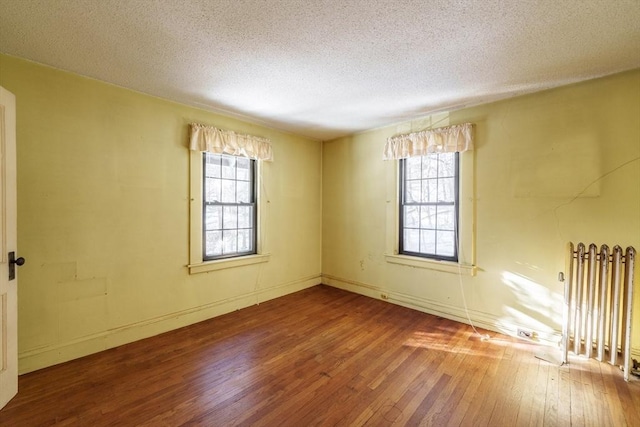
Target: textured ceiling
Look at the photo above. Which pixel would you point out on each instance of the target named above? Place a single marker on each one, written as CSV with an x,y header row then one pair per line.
x,y
327,68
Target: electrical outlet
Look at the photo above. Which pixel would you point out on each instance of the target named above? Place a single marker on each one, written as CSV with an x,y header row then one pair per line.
x,y
523,333
384,296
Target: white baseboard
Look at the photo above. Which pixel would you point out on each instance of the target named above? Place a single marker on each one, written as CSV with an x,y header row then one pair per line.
x,y
479,319
45,356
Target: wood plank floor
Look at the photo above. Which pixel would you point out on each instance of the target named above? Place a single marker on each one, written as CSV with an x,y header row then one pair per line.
x,y
324,357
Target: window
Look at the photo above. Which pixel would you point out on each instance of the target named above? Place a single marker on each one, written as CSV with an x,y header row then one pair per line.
x,y
429,206
229,219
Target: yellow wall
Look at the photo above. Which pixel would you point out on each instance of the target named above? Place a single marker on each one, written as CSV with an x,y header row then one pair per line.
x,y
103,189
103,212
557,166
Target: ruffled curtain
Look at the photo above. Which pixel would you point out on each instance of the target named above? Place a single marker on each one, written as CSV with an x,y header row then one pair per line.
x,y
214,140
441,140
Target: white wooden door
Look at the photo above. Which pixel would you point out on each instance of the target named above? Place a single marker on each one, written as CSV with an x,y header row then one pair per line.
x,y
8,288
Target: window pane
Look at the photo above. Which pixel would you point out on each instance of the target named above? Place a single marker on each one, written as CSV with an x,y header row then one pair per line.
x,y
213,218
446,190
229,167
243,192
245,216
446,243
228,191
412,216
216,169
430,165
447,165
428,241
413,165
243,164
213,243
213,190
413,192
245,242
230,241
429,191
411,240
428,217
446,218
229,217
212,165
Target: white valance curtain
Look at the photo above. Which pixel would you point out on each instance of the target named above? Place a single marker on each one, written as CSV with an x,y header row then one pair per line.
x,y
214,140
441,140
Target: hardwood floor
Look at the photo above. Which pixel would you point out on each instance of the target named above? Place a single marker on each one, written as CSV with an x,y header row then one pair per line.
x,y
324,357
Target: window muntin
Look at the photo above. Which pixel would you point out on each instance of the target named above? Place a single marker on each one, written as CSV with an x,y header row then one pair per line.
x,y
429,206
229,214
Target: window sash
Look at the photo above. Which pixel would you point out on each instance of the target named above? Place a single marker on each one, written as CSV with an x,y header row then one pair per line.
x,y
252,204
433,206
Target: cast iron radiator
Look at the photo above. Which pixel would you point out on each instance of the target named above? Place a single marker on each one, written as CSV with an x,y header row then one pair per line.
x,y
598,298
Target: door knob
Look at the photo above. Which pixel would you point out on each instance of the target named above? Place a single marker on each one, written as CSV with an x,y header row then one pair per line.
x,y
13,261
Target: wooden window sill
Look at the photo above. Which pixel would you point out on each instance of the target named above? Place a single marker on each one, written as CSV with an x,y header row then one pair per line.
x,y
221,264
432,264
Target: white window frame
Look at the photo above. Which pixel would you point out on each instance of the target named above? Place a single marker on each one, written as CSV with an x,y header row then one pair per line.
x,y
196,263
466,263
